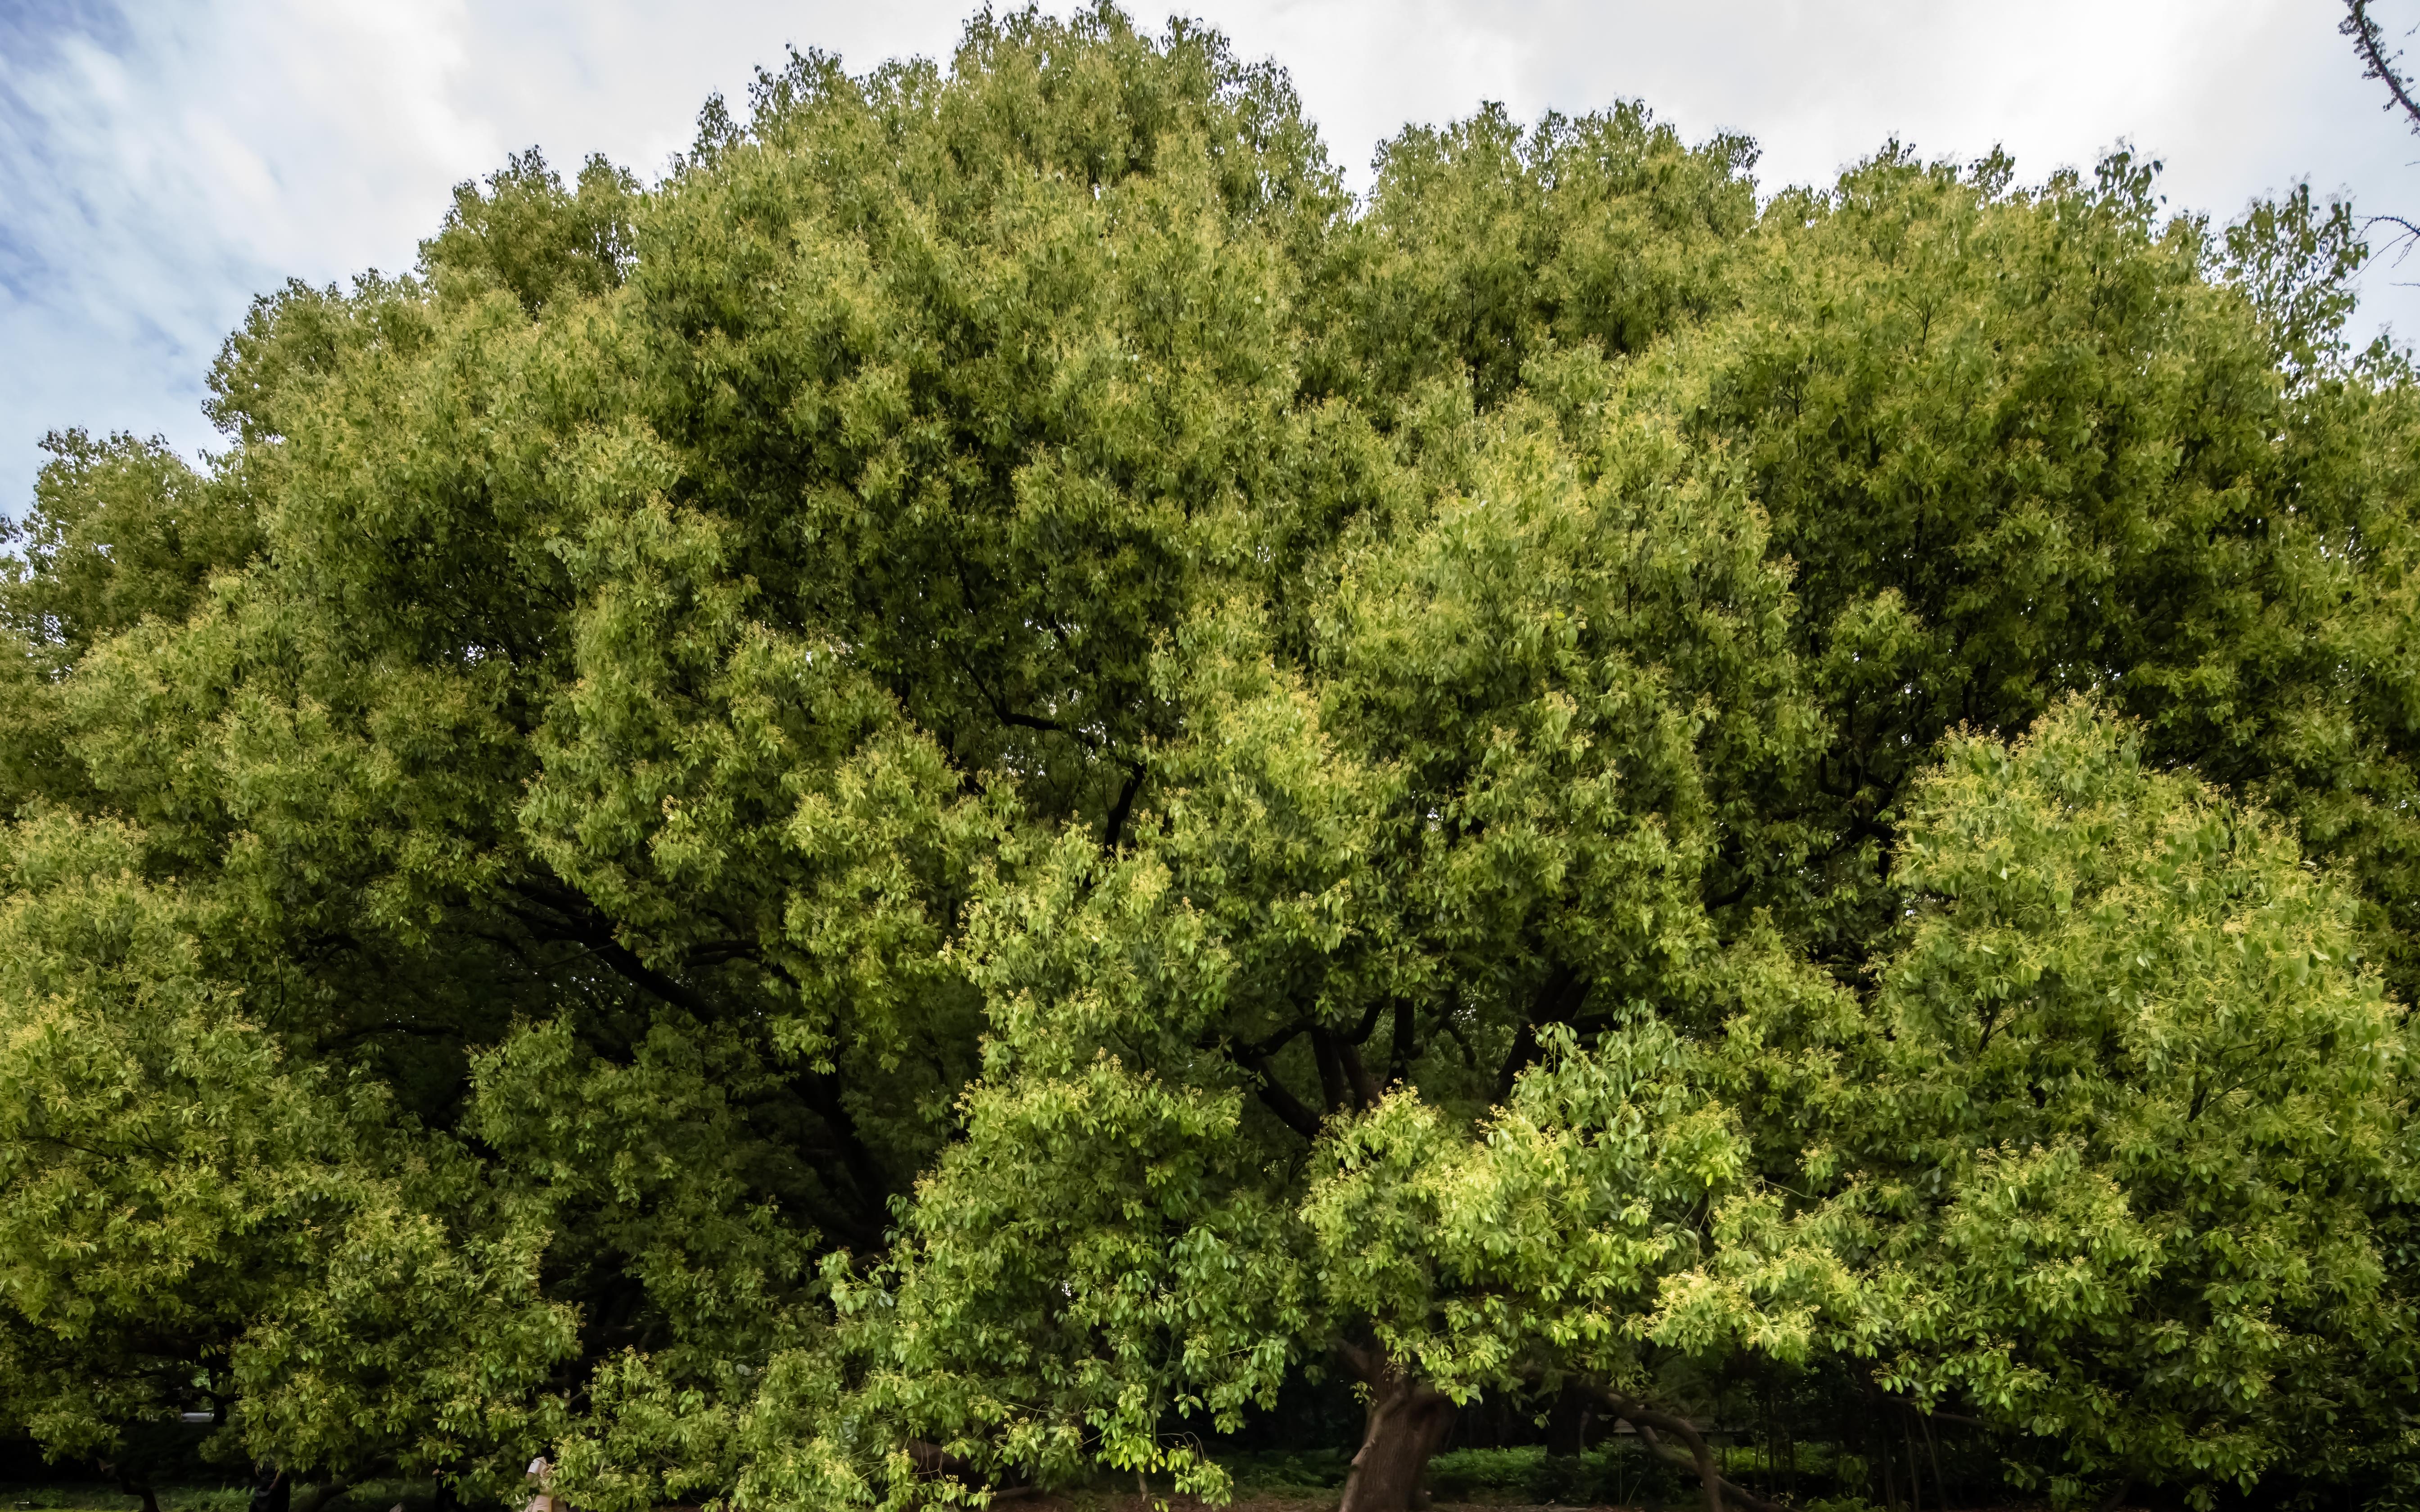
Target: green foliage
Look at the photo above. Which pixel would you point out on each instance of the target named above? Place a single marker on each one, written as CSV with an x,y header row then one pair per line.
x,y
189,1221
918,811
120,531
1615,1475
2118,1122
1486,247
1546,1235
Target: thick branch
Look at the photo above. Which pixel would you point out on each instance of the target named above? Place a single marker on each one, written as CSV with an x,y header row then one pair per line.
x,y
577,920
1366,1363
1461,1041
1006,716
1561,996
1516,1060
1398,1064
1736,892
1368,1024
1277,1096
1731,1490
1254,1056
821,1093
1125,805
1701,1456
1357,1076
627,965
1333,1088
419,1031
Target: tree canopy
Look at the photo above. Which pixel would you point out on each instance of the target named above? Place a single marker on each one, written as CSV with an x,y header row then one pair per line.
x,y
929,805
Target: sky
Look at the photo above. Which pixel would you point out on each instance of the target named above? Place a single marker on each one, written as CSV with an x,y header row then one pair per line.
x,y
162,161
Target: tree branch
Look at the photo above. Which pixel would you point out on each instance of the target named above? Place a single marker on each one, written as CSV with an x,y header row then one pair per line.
x,y
1001,712
821,1093
1277,1096
1365,1364
1523,1050
1125,803
1333,1088
1700,1457
1369,1024
576,919
2375,64
1356,1075
1564,993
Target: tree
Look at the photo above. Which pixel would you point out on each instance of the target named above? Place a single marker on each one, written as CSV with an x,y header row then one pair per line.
x,y
2114,1133
921,808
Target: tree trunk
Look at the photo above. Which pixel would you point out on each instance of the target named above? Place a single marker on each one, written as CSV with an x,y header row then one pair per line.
x,y
1567,1422
131,1485
1406,1424
1710,1480
1914,1471
271,1491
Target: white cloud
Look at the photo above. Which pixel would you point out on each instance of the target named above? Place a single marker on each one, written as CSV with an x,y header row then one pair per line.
x,y
162,163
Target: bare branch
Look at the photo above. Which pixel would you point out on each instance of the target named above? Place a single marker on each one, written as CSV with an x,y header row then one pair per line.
x,y
2397,246
2377,63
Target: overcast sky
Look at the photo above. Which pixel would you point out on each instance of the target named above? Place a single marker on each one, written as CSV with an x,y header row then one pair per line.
x,y
162,162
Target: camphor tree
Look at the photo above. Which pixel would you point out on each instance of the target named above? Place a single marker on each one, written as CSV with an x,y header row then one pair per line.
x,y
914,812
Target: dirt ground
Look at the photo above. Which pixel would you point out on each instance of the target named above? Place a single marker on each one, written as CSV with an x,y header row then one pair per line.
x,y
1095,1501
1304,1501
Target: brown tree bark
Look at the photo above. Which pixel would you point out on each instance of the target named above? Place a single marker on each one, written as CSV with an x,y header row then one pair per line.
x,y
1404,1426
